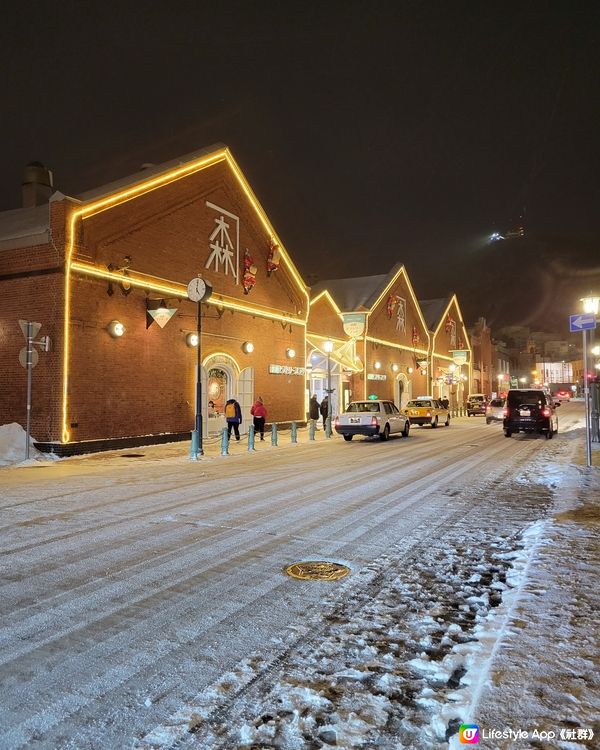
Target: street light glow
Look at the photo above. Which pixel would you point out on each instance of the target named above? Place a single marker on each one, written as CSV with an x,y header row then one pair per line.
x,y
590,304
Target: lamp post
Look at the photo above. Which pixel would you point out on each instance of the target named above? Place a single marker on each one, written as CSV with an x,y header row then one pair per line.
x,y
328,346
199,290
591,304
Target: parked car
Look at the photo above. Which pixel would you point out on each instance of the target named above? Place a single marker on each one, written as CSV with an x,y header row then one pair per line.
x,y
530,410
494,411
377,417
427,410
563,395
476,403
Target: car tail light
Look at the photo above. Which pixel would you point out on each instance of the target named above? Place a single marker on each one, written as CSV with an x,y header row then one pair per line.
x,y
505,411
488,408
546,411
373,421
428,414
337,421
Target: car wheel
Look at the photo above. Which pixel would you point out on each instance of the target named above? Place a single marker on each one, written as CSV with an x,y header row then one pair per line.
x,y
468,414
447,422
434,424
386,433
549,434
348,437
406,429
507,433
488,421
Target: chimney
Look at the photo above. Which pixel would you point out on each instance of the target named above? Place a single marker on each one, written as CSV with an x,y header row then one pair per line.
x,y
37,185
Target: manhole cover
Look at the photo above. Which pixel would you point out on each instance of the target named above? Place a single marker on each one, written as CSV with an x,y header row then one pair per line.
x,y
317,570
132,455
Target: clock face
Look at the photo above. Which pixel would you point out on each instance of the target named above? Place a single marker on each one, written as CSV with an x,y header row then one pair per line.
x,y
196,289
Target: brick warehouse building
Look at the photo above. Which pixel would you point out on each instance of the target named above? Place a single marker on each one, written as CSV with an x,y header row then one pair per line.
x,y
118,260
381,340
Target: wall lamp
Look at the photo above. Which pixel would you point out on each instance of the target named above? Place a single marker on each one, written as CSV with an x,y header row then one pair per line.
x,y
377,365
247,347
290,353
191,339
116,329
394,367
409,370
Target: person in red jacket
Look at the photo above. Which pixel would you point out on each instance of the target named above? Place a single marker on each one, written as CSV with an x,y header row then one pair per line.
x,y
259,413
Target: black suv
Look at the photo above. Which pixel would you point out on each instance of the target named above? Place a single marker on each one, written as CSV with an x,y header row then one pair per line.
x,y
528,410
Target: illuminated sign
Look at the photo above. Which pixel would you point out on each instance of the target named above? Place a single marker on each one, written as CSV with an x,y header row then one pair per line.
x,y
376,376
286,370
459,357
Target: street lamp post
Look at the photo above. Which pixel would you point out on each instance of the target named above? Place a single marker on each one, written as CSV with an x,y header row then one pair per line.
x,y
328,346
591,305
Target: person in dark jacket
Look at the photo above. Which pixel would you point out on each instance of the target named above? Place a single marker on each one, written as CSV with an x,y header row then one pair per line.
x,y
313,407
259,412
325,409
233,417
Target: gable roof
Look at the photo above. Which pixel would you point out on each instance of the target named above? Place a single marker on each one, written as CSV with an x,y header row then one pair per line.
x,y
433,309
357,293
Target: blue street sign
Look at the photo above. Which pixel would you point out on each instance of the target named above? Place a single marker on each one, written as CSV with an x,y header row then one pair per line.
x,y
582,322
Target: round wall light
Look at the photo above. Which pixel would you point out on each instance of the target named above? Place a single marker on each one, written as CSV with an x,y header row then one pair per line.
x,y
247,347
290,353
191,339
394,367
377,365
115,328
409,370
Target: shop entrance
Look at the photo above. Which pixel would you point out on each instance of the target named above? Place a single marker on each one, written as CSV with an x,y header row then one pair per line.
x,y
222,379
403,391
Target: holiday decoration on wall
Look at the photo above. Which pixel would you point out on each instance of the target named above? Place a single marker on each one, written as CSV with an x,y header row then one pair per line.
x,y
401,315
392,303
416,339
274,257
451,329
461,343
249,278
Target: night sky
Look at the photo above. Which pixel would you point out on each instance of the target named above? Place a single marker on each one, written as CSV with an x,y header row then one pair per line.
x,y
372,132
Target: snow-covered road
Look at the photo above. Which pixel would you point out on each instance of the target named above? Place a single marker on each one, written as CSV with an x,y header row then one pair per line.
x,y
142,597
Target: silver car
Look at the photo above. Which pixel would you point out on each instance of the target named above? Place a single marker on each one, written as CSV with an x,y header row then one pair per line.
x,y
494,411
377,417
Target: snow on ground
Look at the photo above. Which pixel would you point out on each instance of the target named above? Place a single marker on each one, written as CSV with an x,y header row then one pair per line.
x,y
13,444
496,626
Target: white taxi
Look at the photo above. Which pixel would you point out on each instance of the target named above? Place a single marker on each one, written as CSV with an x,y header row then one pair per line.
x,y
376,417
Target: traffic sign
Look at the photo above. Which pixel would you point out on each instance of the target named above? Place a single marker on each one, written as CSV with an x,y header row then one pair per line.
x,y
34,326
582,322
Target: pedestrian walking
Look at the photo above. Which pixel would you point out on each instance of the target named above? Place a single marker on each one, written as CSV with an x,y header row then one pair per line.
x,y
259,413
233,416
324,409
313,407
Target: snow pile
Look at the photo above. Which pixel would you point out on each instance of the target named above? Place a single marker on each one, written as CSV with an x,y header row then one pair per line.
x,y
12,445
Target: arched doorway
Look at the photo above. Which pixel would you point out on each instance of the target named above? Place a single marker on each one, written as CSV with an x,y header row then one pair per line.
x,y
222,379
403,392
318,378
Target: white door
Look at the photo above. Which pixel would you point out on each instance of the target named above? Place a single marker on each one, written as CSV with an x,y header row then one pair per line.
x,y
246,396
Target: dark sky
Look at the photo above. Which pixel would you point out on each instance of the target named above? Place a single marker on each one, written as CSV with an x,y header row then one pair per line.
x,y
372,132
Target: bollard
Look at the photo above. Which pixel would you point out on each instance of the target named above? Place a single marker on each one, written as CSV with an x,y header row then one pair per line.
x,y
294,433
328,427
274,434
194,446
224,442
311,429
250,438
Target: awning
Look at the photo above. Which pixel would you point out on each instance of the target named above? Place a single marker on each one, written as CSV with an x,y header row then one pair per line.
x,y
343,352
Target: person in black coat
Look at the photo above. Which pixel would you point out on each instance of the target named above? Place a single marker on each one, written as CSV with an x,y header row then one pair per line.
x,y
233,417
325,409
313,408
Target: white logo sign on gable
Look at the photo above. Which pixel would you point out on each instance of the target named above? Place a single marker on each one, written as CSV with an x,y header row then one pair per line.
x,y
224,242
